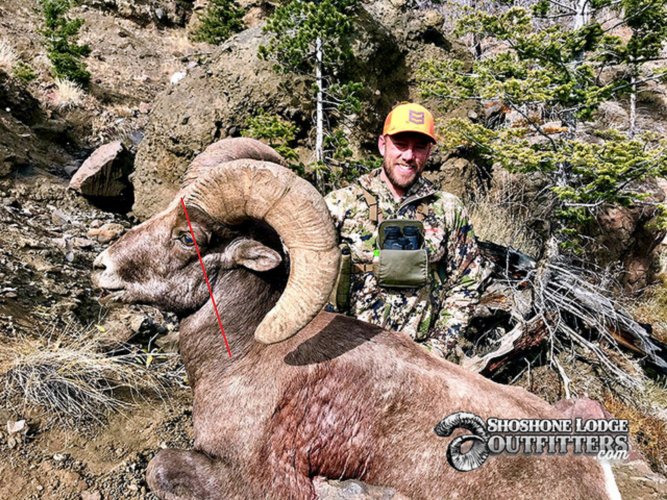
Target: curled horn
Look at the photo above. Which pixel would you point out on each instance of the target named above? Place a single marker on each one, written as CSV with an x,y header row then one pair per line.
x,y
237,190
479,451
236,148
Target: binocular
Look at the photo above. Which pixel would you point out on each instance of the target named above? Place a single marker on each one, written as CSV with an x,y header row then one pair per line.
x,y
407,239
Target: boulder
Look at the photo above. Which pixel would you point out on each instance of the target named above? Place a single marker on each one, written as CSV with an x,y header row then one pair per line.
x,y
611,114
456,175
105,173
629,236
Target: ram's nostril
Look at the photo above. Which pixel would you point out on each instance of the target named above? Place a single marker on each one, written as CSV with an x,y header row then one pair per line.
x,y
99,264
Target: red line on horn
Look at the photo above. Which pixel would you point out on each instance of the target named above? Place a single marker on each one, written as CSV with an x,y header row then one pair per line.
x,y
208,283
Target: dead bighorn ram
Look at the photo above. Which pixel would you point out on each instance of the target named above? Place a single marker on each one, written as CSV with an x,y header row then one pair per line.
x,y
306,393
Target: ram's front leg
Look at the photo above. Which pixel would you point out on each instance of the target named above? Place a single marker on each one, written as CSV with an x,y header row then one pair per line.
x,y
181,475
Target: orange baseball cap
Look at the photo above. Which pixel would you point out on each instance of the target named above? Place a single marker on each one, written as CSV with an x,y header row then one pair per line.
x,y
410,117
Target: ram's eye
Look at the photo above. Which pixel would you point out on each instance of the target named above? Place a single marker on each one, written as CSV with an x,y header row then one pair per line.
x,y
186,239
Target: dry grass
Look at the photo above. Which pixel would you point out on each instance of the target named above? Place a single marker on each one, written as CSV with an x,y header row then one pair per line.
x,y
67,95
8,57
71,378
500,217
649,431
652,308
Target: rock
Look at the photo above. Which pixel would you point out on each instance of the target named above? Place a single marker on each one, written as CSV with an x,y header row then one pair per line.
x,y
17,431
612,115
144,107
628,235
177,77
107,232
91,495
60,218
104,173
168,343
25,139
329,489
136,321
83,243
59,457
18,426
144,12
457,176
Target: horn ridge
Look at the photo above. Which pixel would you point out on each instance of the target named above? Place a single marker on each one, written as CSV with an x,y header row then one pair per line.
x,y
239,189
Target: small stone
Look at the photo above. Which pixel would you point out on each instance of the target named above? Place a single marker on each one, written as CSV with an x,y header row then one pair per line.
x,y
83,243
59,457
91,495
59,218
107,232
177,77
133,487
96,223
144,108
40,487
136,322
16,427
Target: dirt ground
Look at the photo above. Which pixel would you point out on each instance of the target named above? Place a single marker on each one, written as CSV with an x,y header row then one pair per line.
x,y
46,290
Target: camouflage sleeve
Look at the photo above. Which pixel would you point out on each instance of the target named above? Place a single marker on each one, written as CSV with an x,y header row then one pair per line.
x,y
461,274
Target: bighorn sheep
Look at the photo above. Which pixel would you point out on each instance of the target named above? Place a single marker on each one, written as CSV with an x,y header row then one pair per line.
x,y
306,393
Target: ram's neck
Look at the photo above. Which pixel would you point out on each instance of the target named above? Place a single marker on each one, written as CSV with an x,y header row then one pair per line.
x,y
243,299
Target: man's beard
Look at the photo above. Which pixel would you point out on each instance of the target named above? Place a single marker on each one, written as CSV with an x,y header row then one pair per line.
x,y
396,182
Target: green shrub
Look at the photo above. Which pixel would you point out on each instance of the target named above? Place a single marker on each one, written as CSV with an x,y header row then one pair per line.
x,y
24,72
279,133
62,45
221,20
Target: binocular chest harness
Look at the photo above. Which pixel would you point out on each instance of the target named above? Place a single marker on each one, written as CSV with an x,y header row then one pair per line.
x,y
400,259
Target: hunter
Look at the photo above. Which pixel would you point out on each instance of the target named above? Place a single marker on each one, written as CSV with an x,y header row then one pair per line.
x,y
410,259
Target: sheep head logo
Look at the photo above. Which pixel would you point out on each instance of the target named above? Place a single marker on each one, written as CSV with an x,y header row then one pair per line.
x,y
478,452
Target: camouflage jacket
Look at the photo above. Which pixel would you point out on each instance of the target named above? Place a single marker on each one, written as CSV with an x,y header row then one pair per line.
x,y
437,312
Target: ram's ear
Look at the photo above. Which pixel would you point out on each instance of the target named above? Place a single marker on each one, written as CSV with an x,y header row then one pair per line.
x,y
254,255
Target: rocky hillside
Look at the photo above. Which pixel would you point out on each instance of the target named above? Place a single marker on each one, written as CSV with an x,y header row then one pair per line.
x,y
155,100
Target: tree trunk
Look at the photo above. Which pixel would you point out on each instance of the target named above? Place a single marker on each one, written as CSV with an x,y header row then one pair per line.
x,y
583,15
633,101
319,119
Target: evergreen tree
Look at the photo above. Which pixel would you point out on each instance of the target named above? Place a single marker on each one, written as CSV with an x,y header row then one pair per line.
x,y
647,20
221,20
313,38
63,49
547,75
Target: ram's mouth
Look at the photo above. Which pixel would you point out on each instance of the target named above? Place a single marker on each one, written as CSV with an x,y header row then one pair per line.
x,y
110,298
